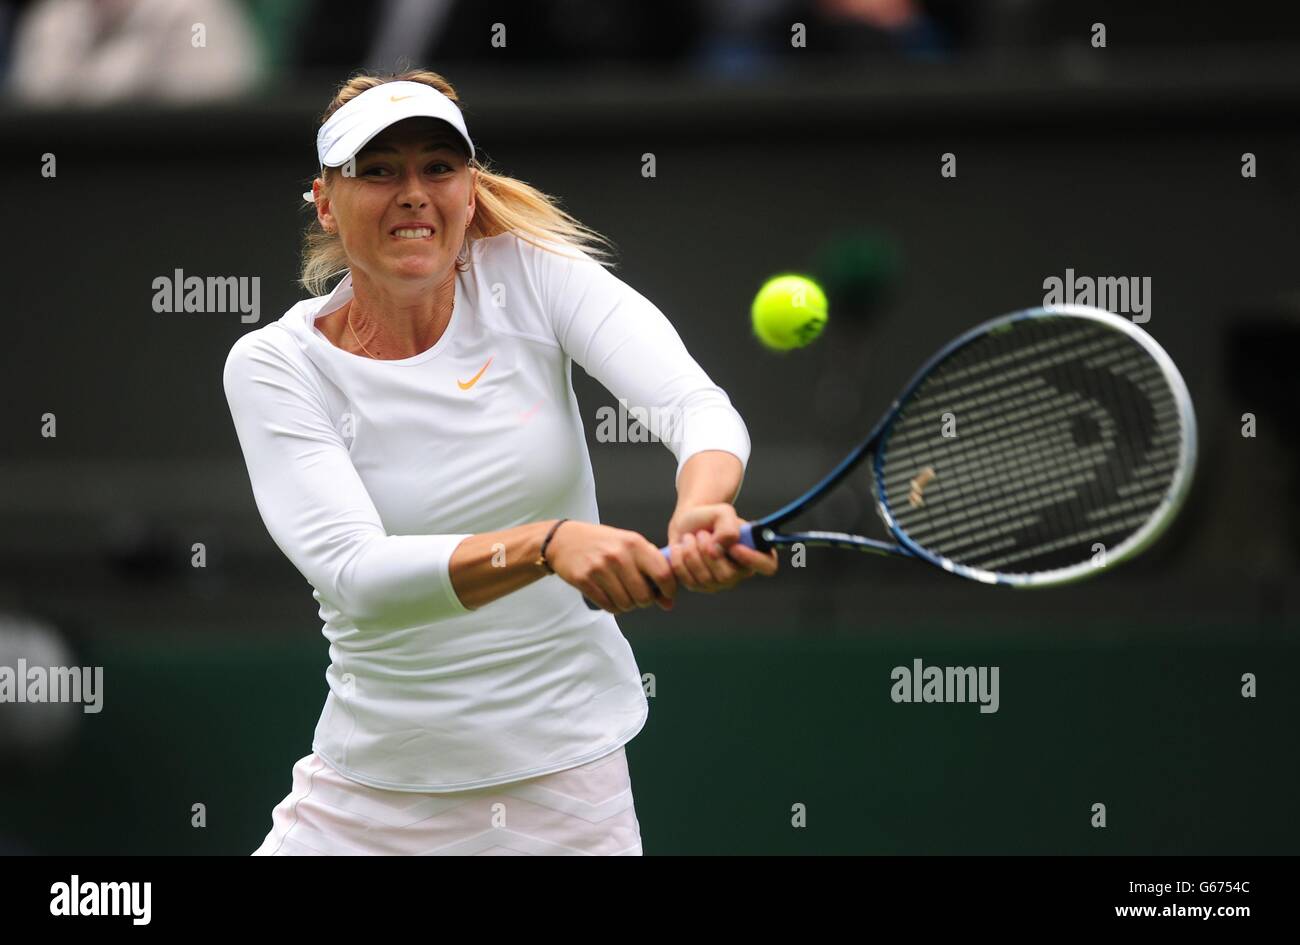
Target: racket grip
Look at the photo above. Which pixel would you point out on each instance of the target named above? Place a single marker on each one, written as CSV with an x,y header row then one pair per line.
x,y
746,539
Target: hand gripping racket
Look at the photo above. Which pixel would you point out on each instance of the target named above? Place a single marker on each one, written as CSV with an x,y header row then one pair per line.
x,y
1038,448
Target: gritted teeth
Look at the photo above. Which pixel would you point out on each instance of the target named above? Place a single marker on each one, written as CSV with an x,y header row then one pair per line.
x,y
413,233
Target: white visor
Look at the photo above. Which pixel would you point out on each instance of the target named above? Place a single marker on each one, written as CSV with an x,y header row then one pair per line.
x,y
350,128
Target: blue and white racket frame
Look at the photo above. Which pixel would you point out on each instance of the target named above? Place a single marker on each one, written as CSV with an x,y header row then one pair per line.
x,y
761,534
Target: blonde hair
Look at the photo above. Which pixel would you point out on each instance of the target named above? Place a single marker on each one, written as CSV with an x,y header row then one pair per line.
x,y
503,204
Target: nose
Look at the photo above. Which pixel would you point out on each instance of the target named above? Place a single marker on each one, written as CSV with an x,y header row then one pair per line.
x,y
413,194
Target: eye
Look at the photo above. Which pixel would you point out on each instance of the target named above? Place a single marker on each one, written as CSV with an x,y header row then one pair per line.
x,y
441,164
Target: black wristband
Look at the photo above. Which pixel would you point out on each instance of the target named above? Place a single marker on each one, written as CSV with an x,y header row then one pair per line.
x,y
541,557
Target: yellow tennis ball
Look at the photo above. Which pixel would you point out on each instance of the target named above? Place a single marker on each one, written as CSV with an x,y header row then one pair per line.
x,y
789,312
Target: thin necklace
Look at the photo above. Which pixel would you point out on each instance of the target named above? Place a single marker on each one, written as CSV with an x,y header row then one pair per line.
x,y
355,335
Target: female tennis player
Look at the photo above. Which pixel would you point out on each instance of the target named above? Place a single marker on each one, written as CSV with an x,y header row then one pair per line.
x,y
415,448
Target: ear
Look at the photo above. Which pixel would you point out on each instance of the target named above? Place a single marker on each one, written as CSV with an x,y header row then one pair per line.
x,y
324,214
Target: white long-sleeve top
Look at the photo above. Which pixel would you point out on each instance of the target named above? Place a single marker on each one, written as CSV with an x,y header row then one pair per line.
x,y
369,473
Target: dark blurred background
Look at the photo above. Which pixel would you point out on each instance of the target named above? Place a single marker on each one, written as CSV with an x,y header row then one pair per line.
x,y
823,157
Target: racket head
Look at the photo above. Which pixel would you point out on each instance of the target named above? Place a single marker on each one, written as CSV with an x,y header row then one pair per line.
x,y
1037,390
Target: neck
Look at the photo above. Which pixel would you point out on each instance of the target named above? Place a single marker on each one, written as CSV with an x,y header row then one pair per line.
x,y
389,325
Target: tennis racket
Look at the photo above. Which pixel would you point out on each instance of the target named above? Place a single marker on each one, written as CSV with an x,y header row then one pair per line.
x,y
1038,448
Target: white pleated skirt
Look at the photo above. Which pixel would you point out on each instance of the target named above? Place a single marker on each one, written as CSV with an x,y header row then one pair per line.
x,y
582,811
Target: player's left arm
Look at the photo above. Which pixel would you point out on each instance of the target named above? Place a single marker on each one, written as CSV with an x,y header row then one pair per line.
x,y
705,530
626,343
710,477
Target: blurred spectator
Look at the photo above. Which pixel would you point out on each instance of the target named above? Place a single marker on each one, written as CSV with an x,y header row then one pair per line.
x,y
749,37
341,35
8,13
102,51
92,51
406,29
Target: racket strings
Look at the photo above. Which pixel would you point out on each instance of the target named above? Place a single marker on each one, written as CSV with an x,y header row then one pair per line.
x,y
1027,482
1062,437
1014,483
1039,483
1001,393
1017,461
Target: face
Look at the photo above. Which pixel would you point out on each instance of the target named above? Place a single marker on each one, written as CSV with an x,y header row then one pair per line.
x,y
403,217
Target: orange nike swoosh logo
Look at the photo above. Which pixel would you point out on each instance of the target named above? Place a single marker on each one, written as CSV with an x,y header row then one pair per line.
x,y
466,385
399,98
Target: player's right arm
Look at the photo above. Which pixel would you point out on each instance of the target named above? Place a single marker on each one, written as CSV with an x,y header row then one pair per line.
x,y
616,568
318,512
